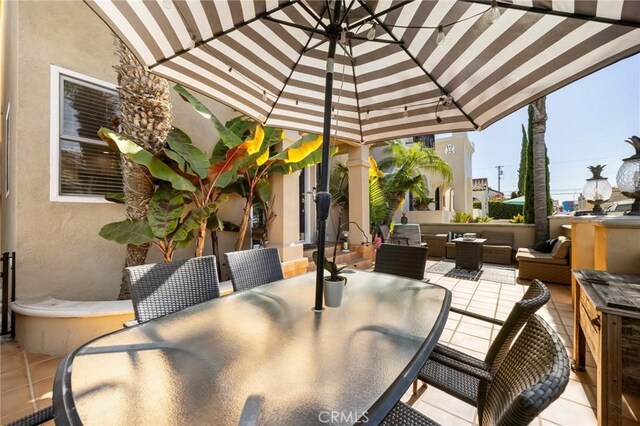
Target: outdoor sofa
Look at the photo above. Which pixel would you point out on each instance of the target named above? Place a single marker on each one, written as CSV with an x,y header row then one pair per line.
x,y
552,267
497,249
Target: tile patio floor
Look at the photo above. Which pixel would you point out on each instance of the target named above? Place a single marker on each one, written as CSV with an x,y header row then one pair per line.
x,y
26,379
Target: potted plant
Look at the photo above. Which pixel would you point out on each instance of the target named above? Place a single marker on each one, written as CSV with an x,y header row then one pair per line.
x,y
334,283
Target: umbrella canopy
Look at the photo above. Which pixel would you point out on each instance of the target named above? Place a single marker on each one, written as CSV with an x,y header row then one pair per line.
x,y
267,59
518,201
400,68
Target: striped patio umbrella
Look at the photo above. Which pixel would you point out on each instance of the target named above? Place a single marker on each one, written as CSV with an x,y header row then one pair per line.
x,y
368,71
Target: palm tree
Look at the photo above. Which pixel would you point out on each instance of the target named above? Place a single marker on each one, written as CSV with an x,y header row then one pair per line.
x,y
539,169
408,166
145,118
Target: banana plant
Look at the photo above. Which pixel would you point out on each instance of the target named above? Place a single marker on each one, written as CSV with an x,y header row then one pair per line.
x,y
169,226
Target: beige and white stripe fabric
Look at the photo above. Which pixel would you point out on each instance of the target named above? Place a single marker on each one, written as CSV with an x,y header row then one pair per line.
x,y
267,58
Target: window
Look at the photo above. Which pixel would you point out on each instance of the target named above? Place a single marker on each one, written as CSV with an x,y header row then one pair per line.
x,y
83,167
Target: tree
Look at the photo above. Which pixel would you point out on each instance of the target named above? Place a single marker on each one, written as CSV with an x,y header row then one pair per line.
x,y
529,211
540,171
523,164
406,167
145,118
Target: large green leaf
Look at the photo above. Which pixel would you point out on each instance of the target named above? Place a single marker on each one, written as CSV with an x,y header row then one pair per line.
x,y
165,209
264,190
228,136
180,143
186,242
128,231
239,126
139,155
300,149
192,221
115,197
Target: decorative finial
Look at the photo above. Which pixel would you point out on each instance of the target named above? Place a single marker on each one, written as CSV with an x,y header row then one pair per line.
x,y
597,171
634,141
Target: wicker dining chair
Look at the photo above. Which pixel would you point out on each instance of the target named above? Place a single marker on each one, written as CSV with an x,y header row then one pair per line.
x,y
404,261
34,419
534,373
253,268
163,288
466,377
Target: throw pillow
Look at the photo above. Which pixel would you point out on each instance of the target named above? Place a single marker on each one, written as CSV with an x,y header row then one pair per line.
x,y
561,248
545,246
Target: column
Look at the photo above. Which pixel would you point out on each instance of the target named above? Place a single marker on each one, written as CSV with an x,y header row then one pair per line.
x,y
358,165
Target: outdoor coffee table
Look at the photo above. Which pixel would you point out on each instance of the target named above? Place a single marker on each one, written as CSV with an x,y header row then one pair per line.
x,y
260,357
469,253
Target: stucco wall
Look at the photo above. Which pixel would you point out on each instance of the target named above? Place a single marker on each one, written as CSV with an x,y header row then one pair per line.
x,y
59,252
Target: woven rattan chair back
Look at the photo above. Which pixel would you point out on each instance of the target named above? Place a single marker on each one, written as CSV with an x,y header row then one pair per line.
x,y
163,288
532,376
39,417
404,261
535,297
253,268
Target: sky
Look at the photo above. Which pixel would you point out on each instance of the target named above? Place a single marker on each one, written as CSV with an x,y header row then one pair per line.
x,y
588,122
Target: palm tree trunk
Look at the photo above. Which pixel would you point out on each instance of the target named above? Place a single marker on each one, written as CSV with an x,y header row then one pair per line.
x,y
145,118
539,169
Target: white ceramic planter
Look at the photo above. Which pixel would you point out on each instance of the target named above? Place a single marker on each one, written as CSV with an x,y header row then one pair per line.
x,y
333,293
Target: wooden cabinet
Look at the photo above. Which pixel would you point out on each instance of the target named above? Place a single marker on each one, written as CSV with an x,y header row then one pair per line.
x,y
607,319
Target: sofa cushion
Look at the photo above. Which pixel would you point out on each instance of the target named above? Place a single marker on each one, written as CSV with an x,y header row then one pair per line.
x,y
545,246
493,247
530,255
561,248
497,238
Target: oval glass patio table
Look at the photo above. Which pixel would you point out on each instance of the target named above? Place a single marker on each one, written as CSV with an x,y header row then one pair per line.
x,y
261,356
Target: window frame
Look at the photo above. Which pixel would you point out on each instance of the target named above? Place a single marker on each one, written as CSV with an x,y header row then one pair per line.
x,y
57,74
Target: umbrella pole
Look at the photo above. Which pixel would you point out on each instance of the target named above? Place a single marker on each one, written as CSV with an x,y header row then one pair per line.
x,y
323,197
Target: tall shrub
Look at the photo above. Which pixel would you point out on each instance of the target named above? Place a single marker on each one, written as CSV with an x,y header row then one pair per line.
x,y
523,163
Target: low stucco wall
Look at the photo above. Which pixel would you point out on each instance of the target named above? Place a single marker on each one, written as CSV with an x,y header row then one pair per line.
x,y
523,235
425,216
56,327
556,223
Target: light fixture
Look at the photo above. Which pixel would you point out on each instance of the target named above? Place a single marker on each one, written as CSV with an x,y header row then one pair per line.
x,y
367,116
343,36
192,45
440,36
264,96
438,119
628,177
405,113
371,34
333,113
597,190
495,12
446,100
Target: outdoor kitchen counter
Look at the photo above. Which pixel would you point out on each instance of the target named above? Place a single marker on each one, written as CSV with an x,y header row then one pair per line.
x,y
261,356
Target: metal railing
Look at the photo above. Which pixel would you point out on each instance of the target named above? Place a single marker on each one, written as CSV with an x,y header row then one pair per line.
x,y
8,275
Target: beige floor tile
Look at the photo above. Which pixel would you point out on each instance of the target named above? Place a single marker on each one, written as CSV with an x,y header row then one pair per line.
x,y
13,379
12,362
37,358
464,290
470,342
18,399
479,297
451,405
445,336
568,413
479,306
474,330
563,306
15,415
580,393
451,324
43,392
471,320
9,348
45,369
440,416
510,297
479,355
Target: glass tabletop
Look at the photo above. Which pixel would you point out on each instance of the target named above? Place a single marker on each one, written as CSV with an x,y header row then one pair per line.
x,y
260,357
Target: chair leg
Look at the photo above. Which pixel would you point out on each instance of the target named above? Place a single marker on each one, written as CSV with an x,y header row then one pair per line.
x,y
415,386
